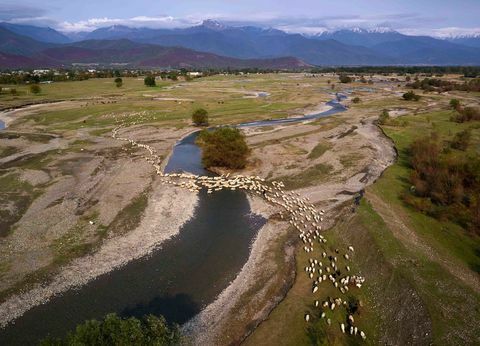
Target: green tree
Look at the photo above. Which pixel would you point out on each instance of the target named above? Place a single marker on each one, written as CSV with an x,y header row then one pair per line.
x,y
223,147
35,89
149,81
118,82
113,330
200,117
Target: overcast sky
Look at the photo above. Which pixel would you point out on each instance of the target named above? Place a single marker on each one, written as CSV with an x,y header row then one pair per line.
x,y
433,17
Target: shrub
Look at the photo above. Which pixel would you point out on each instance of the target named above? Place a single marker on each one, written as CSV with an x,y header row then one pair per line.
x,y
118,82
345,78
356,100
35,89
200,117
454,104
461,140
445,185
411,96
13,91
223,147
466,114
113,330
149,81
384,117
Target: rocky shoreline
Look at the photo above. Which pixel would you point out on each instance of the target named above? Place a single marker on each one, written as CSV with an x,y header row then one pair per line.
x,y
114,253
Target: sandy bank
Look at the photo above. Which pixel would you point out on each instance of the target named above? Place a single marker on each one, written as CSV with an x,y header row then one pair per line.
x,y
159,224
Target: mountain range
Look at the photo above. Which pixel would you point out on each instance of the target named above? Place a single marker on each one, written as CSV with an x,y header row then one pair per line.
x,y
213,44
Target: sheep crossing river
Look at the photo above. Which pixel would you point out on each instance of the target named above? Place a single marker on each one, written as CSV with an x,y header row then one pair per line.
x,y
299,212
139,281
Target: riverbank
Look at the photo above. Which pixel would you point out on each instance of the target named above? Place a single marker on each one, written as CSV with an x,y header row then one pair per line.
x,y
249,298
115,252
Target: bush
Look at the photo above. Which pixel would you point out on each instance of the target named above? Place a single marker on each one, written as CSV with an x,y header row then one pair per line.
x,y
149,81
384,117
35,89
356,100
445,185
118,82
113,330
223,147
455,104
345,78
411,96
461,140
13,91
466,114
200,117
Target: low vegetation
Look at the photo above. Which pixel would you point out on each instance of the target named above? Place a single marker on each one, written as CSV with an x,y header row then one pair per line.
x,y
310,176
114,330
464,114
411,96
441,85
445,184
223,147
319,150
200,117
149,81
118,82
35,89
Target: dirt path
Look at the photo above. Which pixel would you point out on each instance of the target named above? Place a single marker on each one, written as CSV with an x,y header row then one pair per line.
x,y
395,222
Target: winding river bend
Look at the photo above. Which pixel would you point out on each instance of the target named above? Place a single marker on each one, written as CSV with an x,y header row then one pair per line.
x,y
185,274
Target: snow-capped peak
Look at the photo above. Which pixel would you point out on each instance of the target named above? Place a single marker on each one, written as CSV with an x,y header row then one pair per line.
x,y
213,24
357,30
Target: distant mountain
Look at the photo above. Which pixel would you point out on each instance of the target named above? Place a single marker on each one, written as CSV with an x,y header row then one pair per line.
x,y
13,43
359,36
427,50
37,33
18,51
466,40
13,61
147,55
144,46
247,42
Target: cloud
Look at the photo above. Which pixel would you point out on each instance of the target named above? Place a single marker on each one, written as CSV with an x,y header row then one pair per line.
x,y
442,32
406,23
10,12
139,21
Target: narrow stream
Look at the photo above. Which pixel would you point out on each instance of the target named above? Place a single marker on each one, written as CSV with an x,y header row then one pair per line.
x,y
180,278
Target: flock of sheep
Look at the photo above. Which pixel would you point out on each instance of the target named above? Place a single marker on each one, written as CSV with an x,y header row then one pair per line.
x,y
299,212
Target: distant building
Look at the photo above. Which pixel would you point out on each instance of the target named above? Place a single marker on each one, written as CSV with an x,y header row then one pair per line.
x,y
40,72
194,74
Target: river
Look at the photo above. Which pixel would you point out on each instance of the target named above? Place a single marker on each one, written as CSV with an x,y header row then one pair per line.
x,y
177,280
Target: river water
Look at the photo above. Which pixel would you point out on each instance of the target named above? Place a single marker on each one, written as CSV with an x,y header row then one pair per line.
x,y
177,280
